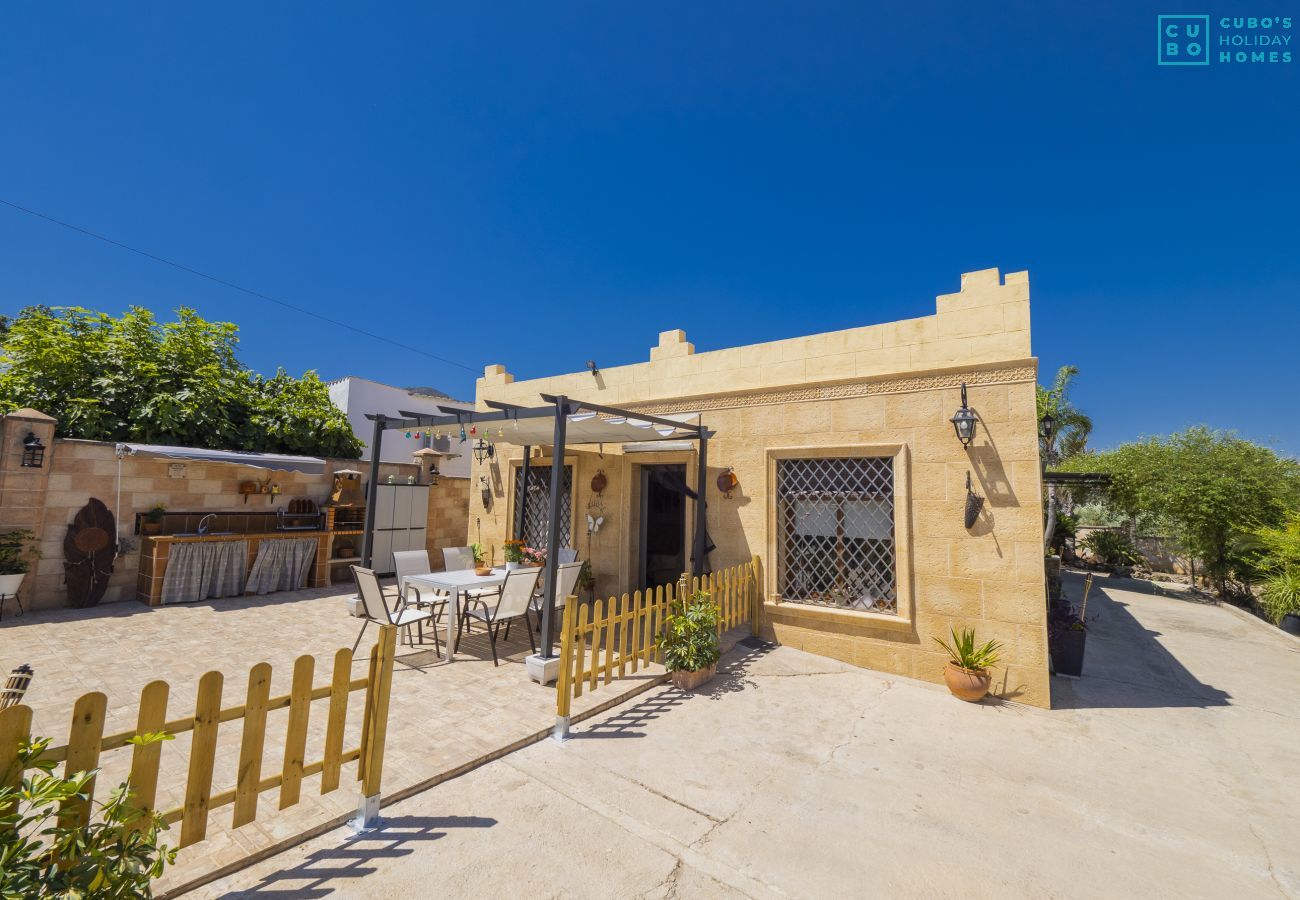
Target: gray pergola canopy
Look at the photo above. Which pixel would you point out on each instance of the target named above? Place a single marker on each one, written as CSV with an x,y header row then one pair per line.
x,y
561,422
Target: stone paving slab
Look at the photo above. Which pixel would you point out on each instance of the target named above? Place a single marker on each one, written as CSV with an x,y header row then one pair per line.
x,y
443,717
1168,773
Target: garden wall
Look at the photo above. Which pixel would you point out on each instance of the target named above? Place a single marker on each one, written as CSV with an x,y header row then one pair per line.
x,y
46,499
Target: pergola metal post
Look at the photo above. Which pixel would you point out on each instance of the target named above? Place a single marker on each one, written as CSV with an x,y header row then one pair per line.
x,y
701,505
553,526
521,514
372,490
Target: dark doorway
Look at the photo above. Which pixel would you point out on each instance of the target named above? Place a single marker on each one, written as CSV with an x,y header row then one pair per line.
x,y
663,524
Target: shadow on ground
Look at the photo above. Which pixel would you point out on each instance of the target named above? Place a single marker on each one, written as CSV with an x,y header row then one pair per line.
x,y
1124,665
732,677
316,875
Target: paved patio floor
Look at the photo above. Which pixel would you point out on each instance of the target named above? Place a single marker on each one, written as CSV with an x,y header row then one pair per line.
x,y
443,717
1170,773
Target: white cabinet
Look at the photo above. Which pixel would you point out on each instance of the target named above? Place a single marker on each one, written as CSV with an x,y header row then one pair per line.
x,y
401,514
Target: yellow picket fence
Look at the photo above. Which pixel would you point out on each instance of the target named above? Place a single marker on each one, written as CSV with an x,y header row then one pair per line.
x,y
615,638
87,741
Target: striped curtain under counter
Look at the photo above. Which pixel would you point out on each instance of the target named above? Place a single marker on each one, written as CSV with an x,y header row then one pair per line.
x,y
282,564
205,569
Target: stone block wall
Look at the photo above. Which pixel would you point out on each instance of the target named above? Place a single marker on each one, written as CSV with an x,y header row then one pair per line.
x,y
47,499
878,390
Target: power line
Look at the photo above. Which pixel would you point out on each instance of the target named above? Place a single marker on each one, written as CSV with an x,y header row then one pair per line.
x,y
230,284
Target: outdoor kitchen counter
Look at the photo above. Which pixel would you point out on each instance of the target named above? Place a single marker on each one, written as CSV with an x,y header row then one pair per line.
x,y
155,551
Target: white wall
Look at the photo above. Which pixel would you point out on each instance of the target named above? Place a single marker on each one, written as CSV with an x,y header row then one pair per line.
x,y
357,397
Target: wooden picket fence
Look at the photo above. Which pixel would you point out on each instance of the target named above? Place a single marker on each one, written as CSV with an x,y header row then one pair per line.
x,y
87,741
615,638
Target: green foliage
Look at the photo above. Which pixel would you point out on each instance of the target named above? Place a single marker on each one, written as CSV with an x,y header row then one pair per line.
x,y
1278,549
132,379
116,855
586,578
1112,547
16,551
480,555
1207,486
1073,427
1281,595
690,640
965,654
1066,526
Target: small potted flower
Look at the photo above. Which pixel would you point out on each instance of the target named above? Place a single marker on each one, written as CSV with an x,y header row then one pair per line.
x,y
15,559
514,554
533,557
690,641
153,519
481,564
967,673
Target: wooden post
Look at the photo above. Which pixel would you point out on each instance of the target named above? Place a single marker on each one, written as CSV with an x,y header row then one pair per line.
x,y
564,684
83,754
336,719
756,590
251,743
376,728
203,753
145,758
295,738
15,729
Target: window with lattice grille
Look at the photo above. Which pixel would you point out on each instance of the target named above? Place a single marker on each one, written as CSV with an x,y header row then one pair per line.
x,y
539,505
835,532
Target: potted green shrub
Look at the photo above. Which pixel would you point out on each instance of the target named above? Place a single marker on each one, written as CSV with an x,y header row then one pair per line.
x,y
586,580
690,641
153,520
15,559
967,673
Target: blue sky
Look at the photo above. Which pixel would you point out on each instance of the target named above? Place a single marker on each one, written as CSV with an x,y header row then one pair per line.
x,y
542,184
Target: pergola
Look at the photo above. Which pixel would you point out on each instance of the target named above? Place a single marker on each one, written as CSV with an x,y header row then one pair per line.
x,y
562,421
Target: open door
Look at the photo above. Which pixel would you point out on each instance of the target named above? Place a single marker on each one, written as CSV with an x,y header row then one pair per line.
x,y
662,555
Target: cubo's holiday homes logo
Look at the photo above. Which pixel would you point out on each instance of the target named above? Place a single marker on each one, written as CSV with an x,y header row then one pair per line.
x,y
1196,40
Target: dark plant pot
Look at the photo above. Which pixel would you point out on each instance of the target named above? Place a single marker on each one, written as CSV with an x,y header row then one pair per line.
x,y
1290,624
689,681
147,527
1067,652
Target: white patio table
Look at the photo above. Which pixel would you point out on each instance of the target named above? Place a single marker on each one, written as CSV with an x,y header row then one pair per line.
x,y
456,583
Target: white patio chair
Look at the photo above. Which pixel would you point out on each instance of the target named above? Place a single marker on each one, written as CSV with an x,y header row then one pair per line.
x,y
375,607
566,581
459,559
566,555
416,562
515,594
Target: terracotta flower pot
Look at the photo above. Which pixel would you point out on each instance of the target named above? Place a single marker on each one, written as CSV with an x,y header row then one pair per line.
x,y
967,684
689,681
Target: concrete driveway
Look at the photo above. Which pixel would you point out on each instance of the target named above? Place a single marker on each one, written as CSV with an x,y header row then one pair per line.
x,y
1172,772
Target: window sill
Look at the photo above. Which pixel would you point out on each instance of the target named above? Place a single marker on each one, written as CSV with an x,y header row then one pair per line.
x,y
861,618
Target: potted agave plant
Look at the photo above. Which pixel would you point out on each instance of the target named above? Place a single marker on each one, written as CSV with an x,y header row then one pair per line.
x,y
690,641
967,673
15,559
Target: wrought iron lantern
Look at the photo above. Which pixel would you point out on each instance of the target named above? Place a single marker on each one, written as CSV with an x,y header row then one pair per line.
x,y
484,450
963,421
1047,428
33,451
434,474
